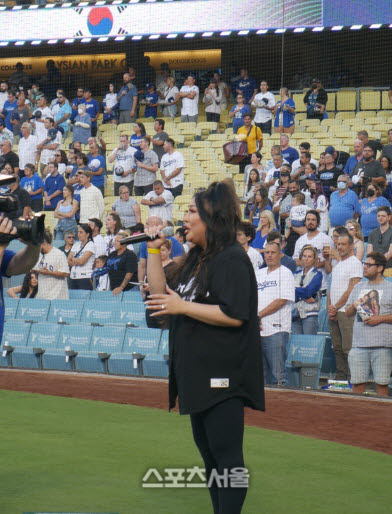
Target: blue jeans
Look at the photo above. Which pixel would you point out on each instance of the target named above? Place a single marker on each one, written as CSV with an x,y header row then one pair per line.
x,y
274,349
307,325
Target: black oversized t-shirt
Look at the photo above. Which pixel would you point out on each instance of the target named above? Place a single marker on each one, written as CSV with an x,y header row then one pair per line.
x,y
119,266
204,356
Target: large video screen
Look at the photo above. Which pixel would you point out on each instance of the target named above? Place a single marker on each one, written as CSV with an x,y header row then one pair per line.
x,y
179,17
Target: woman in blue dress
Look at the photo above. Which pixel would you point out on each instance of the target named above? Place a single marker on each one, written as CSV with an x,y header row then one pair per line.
x,y
284,113
238,112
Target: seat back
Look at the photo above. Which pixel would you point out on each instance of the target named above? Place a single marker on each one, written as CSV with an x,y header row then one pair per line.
x,y
308,349
16,333
44,335
107,339
33,309
65,310
142,340
77,337
99,312
11,307
132,296
79,294
105,296
128,312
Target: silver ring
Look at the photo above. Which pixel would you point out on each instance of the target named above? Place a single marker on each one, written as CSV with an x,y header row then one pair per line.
x,y
163,307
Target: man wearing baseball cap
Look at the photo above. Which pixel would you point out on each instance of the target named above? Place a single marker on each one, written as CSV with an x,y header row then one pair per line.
x,y
340,158
189,94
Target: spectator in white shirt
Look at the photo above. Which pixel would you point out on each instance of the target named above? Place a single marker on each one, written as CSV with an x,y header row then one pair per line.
x,y
224,89
53,270
212,99
49,145
40,114
91,199
3,94
172,168
27,149
189,93
100,244
264,103
246,232
124,165
81,259
160,201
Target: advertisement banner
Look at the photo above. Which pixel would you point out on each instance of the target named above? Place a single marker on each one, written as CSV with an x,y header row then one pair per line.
x,y
186,59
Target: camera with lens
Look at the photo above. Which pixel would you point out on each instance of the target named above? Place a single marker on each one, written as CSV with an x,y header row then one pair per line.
x,y
31,230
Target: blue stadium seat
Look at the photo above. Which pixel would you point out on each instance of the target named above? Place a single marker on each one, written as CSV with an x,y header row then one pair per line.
x,y
11,306
132,296
105,341
46,336
79,294
42,336
99,312
65,310
17,280
307,349
155,365
32,309
105,296
140,341
16,334
128,312
72,339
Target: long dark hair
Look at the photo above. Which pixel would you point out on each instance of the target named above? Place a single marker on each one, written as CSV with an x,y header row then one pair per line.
x,y
249,180
26,285
218,207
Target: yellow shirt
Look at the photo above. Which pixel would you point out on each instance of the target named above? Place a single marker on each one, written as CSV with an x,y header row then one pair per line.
x,y
254,136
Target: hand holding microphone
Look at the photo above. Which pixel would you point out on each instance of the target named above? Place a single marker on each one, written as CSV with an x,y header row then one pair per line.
x,y
154,237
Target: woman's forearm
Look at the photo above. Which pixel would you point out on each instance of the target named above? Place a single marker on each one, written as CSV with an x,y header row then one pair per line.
x,y
155,275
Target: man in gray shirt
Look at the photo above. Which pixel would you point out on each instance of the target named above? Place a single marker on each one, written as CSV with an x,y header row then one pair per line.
x,y
159,138
380,239
146,168
371,304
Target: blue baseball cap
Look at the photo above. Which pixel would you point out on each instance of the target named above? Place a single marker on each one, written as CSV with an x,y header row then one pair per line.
x,y
330,150
311,176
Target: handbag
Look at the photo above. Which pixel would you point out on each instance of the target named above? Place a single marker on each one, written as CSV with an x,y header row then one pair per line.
x,y
235,152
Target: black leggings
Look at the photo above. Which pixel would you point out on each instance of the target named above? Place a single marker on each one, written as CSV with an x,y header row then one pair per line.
x,y
218,433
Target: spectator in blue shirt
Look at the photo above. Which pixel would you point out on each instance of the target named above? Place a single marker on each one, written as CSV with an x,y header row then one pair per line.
x,y
288,153
76,101
97,166
369,206
140,131
93,109
247,86
344,203
284,113
151,102
63,114
9,106
354,159
53,189
238,112
33,184
127,97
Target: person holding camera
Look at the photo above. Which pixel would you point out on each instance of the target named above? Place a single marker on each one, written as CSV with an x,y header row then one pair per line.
x,y
13,263
315,100
366,171
124,165
264,103
371,304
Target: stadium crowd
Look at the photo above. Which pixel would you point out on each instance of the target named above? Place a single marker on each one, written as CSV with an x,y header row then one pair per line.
x,y
314,225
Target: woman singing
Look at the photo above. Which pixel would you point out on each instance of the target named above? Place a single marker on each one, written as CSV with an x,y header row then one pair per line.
x,y
215,365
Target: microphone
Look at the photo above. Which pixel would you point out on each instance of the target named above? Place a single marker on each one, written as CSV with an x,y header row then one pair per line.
x,y
140,238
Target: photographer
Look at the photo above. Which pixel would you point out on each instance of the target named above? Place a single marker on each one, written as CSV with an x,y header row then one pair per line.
x,y
13,263
23,199
366,171
371,304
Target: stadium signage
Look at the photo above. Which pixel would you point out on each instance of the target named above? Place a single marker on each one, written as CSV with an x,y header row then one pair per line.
x,y
67,64
186,59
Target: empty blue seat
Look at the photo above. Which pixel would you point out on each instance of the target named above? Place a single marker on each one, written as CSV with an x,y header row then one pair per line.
x,y
41,337
104,342
33,309
306,349
142,340
72,338
127,312
15,334
105,296
11,307
155,365
79,294
132,296
99,312
17,280
65,310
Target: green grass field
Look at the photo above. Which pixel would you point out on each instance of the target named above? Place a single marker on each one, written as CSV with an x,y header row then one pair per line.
x,y
68,455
